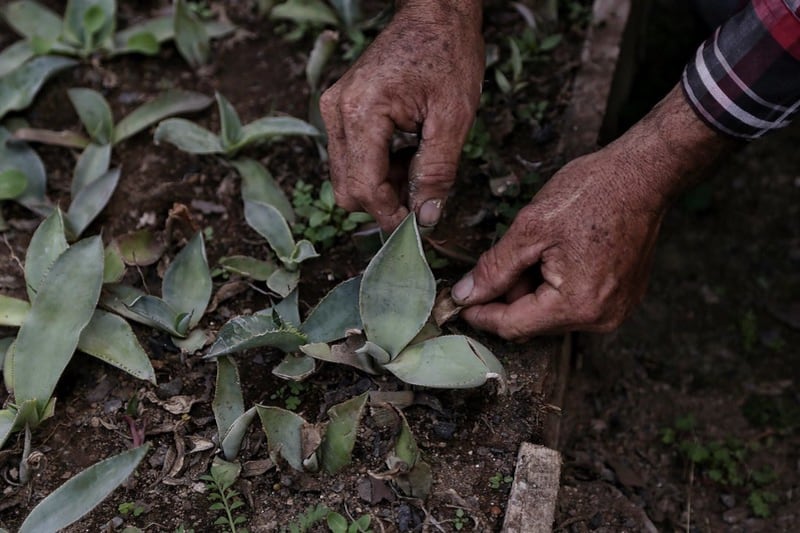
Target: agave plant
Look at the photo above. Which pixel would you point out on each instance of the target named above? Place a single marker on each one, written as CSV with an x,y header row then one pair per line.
x,y
390,308
64,285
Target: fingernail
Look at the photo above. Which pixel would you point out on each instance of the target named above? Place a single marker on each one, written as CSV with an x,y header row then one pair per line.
x,y
430,212
463,288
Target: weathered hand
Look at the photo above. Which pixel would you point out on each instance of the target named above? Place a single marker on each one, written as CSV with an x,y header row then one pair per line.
x,y
422,74
591,230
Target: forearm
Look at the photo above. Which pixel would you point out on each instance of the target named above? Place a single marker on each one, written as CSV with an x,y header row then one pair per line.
x,y
470,11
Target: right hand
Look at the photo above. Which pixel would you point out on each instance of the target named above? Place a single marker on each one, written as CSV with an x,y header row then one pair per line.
x,y
422,74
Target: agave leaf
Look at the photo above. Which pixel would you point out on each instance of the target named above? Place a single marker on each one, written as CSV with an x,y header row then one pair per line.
x,y
82,493
405,447
323,49
17,417
90,201
143,43
228,403
89,23
191,37
232,440
343,353
31,19
111,339
95,114
167,104
231,125
120,299
349,12
288,310
67,139
398,290
7,418
161,28
267,127
5,344
417,482
295,367
270,224
195,341
60,311
302,251
153,311
340,436
305,11
19,156
12,313
248,266
450,361
187,282
254,331
141,247
188,136
47,244
92,164
19,88
225,473
283,434
258,185
14,56
13,183
283,281
113,266
336,313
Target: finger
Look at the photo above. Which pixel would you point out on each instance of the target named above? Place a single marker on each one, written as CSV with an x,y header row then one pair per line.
x,y
367,137
337,149
433,169
498,269
538,313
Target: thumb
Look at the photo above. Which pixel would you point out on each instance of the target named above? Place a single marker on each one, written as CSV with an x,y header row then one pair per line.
x,y
433,168
497,270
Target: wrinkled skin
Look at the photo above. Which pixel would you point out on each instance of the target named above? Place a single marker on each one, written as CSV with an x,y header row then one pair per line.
x,y
578,256
423,75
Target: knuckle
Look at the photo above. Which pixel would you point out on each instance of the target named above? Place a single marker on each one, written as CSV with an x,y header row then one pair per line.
x,y
328,103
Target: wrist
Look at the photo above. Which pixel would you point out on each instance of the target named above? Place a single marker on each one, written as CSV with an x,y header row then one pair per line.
x,y
468,11
670,149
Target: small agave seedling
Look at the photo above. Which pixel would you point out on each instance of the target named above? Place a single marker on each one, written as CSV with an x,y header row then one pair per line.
x,y
89,27
63,284
395,301
22,176
93,181
234,136
185,294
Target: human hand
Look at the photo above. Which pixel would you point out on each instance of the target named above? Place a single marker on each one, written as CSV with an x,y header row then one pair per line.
x,y
422,74
591,229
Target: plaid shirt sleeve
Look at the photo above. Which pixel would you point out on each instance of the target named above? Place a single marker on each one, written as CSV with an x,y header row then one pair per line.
x,y
745,80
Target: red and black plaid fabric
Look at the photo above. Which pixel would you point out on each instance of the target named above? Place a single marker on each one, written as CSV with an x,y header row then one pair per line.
x,y
745,80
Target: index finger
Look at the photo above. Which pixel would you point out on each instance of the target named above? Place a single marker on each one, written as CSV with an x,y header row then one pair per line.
x,y
539,313
367,141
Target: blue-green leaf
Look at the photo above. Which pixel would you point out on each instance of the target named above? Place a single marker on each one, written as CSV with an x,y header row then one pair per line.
x,y
288,310
258,185
248,266
232,440
191,37
82,493
188,136
283,281
254,331
187,282
19,156
90,24
166,104
31,19
12,313
336,313
15,56
231,126
228,403
340,436
47,244
451,361
60,311
19,88
270,127
90,201
95,114
13,183
398,290
283,434
153,311
295,367
92,164
270,224
305,11
111,339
